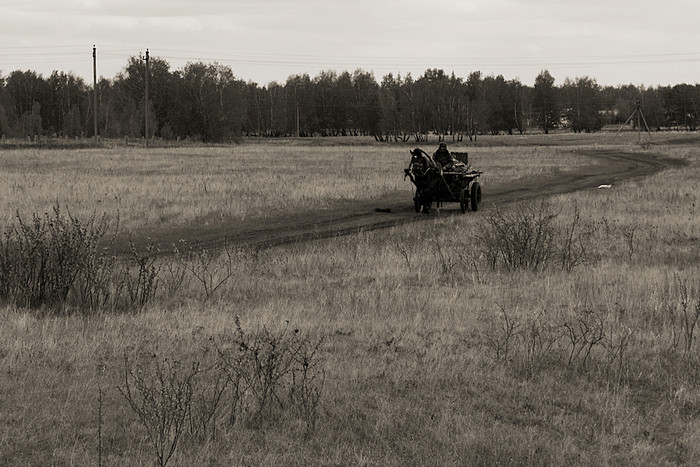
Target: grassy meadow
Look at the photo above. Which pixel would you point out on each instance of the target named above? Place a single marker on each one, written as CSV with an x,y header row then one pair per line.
x,y
180,186
415,345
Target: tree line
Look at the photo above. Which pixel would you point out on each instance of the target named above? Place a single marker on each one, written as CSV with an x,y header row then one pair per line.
x,y
207,102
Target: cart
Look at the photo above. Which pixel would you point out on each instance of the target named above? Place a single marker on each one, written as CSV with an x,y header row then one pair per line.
x,y
456,183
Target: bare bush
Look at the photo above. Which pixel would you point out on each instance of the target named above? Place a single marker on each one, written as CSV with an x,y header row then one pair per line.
x,y
212,269
533,238
629,233
58,261
539,336
447,260
501,335
271,372
173,271
308,378
141,281
575,242
160,395
521,239
617,339
683,318
527,341
208,392
405,249
583,331
44,261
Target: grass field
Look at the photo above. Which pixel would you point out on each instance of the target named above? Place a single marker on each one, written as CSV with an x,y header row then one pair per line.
x,y
421,348
176,186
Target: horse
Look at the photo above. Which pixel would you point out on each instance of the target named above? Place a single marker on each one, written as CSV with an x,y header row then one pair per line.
x,y
425,174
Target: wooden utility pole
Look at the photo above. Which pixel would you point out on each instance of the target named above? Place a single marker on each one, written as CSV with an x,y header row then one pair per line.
x,y
297,119
94,88
146,103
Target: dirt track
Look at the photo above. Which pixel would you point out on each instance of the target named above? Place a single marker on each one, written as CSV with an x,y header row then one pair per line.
x,y
612,168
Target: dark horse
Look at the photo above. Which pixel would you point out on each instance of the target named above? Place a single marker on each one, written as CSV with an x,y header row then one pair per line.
x,y
425,174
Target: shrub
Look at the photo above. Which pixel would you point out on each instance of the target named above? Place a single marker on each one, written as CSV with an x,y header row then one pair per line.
x,y
41,261
533,238
580,339
272,372
161,395
141,282
248,379
57,260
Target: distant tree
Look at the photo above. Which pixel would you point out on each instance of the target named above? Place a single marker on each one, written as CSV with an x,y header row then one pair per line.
x,y
30,122
653,107
476,109
344,116
681,106
626,102
366,110
519,98
581,102
212,101
276,111
68,105
5,128
26,89
411,120
544,101
389,96
499,105
6,110
436,96
161,90
108,123
300,91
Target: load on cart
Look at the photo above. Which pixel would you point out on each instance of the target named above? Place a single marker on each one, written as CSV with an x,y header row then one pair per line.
x,y
443,177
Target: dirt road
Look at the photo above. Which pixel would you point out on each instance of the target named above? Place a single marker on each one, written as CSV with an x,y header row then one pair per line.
x,y
612,167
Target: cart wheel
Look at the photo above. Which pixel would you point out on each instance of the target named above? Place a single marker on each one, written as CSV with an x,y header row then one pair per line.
x,y
417,204
475,196
464,200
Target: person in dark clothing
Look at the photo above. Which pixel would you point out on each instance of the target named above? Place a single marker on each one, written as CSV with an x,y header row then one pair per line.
x,y
443,157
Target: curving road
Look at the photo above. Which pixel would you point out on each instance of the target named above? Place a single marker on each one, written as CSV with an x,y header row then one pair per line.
x,y
612,167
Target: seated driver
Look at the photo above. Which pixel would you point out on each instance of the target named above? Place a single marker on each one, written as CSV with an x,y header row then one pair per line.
x,y
443,157
447,160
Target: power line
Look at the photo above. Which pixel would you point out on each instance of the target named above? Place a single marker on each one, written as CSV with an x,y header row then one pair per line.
x,y
313,59
76,55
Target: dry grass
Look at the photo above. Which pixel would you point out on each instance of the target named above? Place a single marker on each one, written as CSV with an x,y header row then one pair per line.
x,y
176,186
411,376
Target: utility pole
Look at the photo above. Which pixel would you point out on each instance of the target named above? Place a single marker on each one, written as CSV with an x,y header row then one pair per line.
x,y
297,119
94,88
146,104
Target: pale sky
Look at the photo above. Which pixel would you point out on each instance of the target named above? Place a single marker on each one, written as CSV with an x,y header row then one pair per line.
x,y
648,42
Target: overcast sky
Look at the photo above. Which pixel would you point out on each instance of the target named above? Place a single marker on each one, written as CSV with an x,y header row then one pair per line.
x,y
615,41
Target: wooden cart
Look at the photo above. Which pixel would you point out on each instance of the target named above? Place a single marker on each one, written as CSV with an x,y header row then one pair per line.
x,y
434,184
